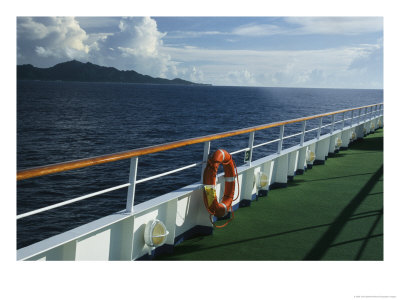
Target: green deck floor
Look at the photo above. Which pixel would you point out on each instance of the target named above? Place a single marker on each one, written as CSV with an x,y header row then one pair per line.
x,y
332,212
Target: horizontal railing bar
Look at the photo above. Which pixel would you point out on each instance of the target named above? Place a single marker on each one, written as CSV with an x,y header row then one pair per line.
x,y
167,173
102,192
86,162
311,130
33,212
266,143
293,135
241,150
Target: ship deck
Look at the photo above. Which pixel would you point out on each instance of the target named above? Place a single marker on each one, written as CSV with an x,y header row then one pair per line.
x,y
331,212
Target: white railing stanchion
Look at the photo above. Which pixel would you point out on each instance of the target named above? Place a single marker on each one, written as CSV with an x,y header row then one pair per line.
x,y
343,120
281,131
130,201
303,129
206,152
319,128
251,144
351,120
333,123
359,116
365,115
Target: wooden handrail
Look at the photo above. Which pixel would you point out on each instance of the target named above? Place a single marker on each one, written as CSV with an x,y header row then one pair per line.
x,y
86,162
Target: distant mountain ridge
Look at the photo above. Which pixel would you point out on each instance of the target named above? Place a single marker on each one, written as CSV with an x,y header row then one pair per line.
x,y
87,72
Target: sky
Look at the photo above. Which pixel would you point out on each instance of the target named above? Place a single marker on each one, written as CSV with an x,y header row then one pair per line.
x,y
318,52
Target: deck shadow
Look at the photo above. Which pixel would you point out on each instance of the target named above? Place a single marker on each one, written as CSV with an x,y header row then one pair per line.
x,y
369,144
300,181
324,243
190,248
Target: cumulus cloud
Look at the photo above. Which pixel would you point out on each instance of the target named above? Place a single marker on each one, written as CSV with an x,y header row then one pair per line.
x,y
242,77
57,37
137,45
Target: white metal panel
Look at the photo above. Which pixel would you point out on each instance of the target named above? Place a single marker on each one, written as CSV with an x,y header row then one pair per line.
x,y
292,162
281,169
332,142
311,147
62,252
301,162
59,240
346,135
248,184
95,246
198,210
169,220
321,145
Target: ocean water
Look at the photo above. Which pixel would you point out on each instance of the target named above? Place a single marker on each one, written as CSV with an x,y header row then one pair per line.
x,y
63,121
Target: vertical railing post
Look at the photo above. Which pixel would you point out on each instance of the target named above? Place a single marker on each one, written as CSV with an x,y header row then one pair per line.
x,y
333,123
303,129
281,131
359,116
319,128
251,143
343,120
365,114
206,152
130,201
351,120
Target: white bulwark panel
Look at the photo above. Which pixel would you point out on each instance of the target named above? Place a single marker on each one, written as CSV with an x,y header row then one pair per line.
x,y
346,136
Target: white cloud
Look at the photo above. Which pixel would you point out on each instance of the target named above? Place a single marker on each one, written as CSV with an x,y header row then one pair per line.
x,y
241,78
178,34
43,52
59,37
196,75
312,68
143,37
138,46
30,29
258,30
336,25
314,25
135,46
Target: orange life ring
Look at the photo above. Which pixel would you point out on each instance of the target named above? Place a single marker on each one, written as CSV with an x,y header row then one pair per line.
x,y
221,209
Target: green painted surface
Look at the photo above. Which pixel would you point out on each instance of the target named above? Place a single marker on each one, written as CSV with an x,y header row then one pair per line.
x,y
332,212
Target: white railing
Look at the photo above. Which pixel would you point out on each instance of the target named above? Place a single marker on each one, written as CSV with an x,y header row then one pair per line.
x,y
374,111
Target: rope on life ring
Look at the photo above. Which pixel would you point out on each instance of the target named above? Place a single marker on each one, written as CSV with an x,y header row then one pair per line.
x,y
215,208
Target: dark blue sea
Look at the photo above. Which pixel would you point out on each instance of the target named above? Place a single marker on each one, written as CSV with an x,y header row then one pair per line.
x,y
63,121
